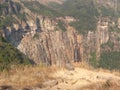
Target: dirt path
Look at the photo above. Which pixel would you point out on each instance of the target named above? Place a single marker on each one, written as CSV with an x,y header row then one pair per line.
x,y
78,78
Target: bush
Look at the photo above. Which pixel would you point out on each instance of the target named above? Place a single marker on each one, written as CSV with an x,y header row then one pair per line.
x,y
10,55
93,60
22,16
7,21
109,44
61,25
1,7
107,11
110,60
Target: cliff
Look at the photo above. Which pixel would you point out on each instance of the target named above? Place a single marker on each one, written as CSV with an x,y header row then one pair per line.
x,y
43,40
47,44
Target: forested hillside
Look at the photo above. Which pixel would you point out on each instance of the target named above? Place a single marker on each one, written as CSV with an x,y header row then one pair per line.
x,y
87,12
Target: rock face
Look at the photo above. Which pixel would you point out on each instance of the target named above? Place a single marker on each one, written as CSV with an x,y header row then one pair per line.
x,y
10,7
43,41
52,46
102,40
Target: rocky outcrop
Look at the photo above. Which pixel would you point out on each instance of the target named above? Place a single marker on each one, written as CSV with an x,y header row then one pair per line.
x,y
10,7
43,41
52,46
102,40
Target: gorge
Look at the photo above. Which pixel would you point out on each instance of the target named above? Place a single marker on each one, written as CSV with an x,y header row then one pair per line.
x,y
50,39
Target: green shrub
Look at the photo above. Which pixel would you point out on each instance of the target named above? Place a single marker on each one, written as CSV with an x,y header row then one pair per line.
x,y
7,21
22,16
93,60
109,44
107,11
2,6
36,36
114,29
10,55
110,60
61,25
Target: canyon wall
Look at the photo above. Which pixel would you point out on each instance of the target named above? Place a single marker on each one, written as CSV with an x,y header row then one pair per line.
x,y
43,41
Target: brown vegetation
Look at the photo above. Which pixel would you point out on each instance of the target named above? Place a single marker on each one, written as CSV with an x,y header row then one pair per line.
x,y
81,78
107,85
26,76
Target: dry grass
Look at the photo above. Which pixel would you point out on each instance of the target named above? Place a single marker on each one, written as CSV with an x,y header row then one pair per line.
x,y
115,72
30,76
34,76
83,65
26,76
107,85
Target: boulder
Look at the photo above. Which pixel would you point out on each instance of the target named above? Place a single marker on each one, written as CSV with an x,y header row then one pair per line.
x,y
69,66
50,83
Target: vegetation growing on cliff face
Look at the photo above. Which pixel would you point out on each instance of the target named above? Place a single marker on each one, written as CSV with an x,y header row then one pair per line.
x,y
109,44
6,21
106,11
10,55
61,25
38,8
22,16
114,29
1,7
110,60
93,60
84,11
9,12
